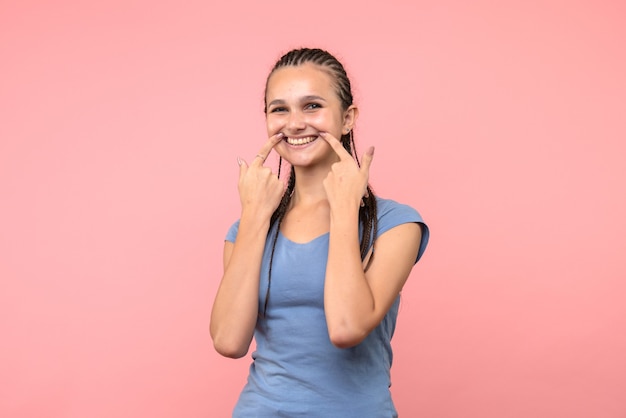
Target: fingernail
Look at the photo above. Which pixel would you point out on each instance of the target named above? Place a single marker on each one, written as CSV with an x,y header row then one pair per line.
x,y
371,151
280,135
239,161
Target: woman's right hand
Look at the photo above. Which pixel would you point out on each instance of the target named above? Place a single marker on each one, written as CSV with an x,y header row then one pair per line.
x,y
260,190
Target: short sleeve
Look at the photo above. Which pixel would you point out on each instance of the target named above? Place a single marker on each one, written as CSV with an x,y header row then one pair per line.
x,y
392,214
232,232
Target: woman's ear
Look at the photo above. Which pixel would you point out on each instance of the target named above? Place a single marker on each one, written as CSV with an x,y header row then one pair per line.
x,y
349,119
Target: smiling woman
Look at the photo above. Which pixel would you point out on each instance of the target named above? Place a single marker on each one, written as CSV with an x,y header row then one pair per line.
x,y
313,272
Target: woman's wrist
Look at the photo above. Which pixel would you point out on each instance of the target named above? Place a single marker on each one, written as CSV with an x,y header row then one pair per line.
x,y
344,216
255,217
346,208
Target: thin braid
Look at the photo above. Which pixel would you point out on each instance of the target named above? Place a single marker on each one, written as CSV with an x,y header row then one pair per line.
x,y
368,213
277,218
350,142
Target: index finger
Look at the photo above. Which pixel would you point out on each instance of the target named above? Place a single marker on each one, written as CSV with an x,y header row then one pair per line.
x,y
268,146
337,146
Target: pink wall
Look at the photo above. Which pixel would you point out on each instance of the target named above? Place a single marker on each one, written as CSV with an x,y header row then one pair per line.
x,y
502,123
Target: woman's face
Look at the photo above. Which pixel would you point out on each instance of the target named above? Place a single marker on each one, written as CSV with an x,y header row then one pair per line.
x,y
301,102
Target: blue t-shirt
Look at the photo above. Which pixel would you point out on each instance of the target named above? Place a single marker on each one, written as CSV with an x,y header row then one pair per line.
x,y
297,371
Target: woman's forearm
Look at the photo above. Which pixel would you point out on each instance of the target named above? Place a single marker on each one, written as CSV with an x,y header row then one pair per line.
x,y
235,309
348,299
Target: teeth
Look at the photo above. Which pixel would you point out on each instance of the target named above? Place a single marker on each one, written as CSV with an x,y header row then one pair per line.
x,y
300,141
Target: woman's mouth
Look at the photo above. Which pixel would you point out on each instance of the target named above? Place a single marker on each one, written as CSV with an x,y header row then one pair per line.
x,y
300,141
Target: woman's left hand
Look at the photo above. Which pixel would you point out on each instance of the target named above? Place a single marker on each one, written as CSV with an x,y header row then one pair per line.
x,y
346,183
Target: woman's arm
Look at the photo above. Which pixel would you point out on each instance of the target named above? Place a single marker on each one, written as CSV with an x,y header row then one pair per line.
x,y
355,301
235,308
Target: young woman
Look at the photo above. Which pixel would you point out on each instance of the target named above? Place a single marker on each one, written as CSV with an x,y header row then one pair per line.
x,y
314,271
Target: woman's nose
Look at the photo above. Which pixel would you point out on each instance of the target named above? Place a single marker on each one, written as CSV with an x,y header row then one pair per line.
x,y
296,121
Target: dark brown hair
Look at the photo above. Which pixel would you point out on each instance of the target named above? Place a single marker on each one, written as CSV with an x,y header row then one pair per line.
x,y
367,213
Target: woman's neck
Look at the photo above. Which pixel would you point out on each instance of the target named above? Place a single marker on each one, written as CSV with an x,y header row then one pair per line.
x,y
309,187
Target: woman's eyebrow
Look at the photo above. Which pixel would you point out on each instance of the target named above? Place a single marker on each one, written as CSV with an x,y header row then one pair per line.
x,y
312,98
276,102
308,98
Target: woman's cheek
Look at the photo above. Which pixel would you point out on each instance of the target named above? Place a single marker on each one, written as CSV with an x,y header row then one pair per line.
x,y
319,123
273,124
326,122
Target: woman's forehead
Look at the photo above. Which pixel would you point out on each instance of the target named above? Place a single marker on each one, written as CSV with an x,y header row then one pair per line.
x,y
303,79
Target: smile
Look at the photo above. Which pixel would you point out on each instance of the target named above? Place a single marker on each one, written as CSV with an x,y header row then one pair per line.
x,y
300,141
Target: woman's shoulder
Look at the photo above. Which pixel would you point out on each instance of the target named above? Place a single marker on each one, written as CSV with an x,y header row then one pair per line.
x,y
391,214
388,208
231,234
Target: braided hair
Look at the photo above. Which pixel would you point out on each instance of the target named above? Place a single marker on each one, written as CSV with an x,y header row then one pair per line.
x,y
368,211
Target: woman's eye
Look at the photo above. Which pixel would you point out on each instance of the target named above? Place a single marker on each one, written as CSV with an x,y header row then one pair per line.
x,y
278,109
313,106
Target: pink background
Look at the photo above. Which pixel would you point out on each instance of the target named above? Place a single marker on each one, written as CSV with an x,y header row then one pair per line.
x,y
502,122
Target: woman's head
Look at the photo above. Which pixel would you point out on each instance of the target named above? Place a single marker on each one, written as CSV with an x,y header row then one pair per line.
x,y
330,71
